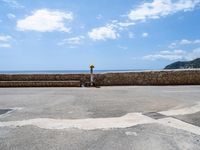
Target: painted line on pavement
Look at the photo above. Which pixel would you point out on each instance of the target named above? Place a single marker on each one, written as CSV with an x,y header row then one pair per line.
x,y
128,120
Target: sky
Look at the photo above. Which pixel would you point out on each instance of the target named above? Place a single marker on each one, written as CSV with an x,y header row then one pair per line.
x,y
111,34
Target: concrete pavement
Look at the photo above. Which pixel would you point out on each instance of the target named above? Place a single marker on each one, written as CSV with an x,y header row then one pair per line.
x,y
101,118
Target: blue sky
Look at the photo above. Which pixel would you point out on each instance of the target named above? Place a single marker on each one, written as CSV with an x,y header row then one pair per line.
x,y
114,34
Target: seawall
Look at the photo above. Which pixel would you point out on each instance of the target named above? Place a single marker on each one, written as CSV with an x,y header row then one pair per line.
x,y
160,77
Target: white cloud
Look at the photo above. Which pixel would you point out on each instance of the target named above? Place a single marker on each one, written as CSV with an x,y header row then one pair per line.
x,y
11,16
4,41
109,31
194,54
196,41
126,24
166,55
174,55
184,42
160,8
75,40
5,38
45,20
5,45
13,3
99,17
103,33
122,47
146,10
187,42
130,35
145,34
172,45
121,25
72,41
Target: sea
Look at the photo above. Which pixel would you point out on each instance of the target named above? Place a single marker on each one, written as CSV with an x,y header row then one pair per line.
x,y
64,71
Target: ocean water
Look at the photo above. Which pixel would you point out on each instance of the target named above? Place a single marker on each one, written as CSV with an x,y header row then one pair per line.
x,y
62,71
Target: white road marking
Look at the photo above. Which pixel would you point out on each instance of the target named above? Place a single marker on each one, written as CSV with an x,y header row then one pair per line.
x,y
128,120
182,111
178,124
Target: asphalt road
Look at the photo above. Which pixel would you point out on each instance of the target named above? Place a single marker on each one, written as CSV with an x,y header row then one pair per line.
x,y
106,118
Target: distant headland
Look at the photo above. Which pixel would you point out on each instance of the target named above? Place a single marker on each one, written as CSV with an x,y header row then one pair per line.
x,y
184,64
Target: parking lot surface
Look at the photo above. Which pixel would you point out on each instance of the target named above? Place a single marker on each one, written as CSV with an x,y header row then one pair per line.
x,y
106,118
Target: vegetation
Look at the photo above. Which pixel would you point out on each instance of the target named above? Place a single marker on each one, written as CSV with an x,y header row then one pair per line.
x,y
184,64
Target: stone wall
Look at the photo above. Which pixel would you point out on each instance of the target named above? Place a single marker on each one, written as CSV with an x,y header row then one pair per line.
x,y
43,80
164,77
40,84
44,77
